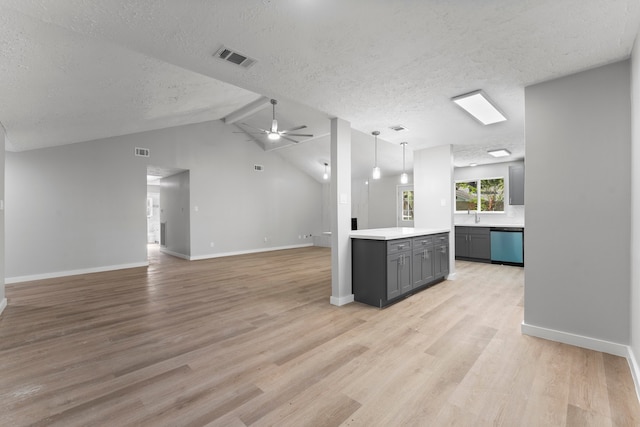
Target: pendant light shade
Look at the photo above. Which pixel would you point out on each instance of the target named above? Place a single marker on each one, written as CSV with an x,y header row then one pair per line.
x,y
325,176
376,169
404,178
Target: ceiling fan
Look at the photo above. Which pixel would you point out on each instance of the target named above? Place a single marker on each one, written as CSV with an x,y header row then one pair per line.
x,y
274,134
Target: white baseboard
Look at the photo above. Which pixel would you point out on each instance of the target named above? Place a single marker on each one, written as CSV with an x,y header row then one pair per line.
x,y
175,254
250,251
635,370
18,279
341,300
3,305
577,340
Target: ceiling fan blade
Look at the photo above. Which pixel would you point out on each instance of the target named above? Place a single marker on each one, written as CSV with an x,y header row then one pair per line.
x,y
289,139
254,127
250,133
294,129
298,134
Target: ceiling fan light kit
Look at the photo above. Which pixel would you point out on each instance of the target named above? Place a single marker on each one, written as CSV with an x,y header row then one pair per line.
x,y
273,134
478,104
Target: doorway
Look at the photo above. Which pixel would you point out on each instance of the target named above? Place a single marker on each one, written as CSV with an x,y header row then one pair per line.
x,y
160,207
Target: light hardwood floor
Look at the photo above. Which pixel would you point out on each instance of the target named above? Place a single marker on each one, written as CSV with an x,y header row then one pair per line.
x,y
253,340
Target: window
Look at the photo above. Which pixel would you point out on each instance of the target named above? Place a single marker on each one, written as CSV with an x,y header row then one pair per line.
x,y
482,195
407,205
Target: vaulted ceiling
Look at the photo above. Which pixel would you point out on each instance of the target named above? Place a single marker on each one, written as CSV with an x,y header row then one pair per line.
x,y
77,70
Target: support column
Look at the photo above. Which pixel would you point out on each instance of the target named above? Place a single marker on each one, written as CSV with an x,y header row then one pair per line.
x,y
341,292
433,185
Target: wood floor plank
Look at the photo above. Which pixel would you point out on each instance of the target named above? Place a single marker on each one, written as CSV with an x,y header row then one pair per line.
x,y
253,340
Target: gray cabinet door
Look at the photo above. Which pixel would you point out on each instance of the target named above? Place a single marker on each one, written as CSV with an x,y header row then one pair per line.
x,y
441,260
398,274
462,242
406,280
480,244
516,185
422,266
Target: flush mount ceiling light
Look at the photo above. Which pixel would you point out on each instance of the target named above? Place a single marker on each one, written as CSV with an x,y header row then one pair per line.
x,y
376,169
478,104
404,178
325,176
398,128
499,153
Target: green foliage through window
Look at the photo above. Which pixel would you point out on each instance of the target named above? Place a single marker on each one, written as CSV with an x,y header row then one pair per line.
x,y
407,205
487,193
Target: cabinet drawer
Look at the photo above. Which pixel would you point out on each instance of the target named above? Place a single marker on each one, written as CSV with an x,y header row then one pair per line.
x,y
422,242
440,239
394,246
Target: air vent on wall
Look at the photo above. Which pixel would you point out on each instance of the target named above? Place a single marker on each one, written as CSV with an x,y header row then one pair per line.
x,y
142,152
258,168
229,55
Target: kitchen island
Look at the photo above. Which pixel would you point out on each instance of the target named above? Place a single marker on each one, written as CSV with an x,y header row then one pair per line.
x,y
389,264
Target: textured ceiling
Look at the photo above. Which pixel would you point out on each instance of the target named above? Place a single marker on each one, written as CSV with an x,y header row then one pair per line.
x,y
77,69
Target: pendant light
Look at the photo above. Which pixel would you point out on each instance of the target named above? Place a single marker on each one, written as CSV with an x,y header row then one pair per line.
x,y
376,169
404,178
326,174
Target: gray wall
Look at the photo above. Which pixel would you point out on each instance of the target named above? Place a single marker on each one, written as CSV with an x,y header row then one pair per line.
x,y
74,207
578,209
83,206
383,202
2,218
174,213
635,211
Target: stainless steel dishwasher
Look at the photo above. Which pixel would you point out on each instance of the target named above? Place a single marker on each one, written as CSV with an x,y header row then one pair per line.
x,y
507,245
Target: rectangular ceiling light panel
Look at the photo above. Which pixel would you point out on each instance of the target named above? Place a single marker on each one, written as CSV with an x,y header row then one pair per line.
x,y
480,107
499,153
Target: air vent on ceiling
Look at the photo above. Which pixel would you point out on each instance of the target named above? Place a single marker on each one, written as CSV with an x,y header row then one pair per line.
x,y
398,128
142,152
229,55
258,168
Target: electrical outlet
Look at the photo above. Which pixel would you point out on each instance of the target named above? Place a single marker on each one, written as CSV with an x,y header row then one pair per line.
x,y
299,236
212,244
265,240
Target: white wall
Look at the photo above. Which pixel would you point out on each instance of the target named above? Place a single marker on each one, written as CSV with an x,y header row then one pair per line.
x,y
511,215
635,214
175,214
578,206
83,206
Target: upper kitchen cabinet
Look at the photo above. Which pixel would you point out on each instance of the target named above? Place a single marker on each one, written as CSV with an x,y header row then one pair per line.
x,y
516,185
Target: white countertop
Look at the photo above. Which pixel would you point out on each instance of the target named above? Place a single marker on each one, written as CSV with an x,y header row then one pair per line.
x,y
394,233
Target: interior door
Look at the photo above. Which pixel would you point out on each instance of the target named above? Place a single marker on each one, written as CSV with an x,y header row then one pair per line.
x,y
405,206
